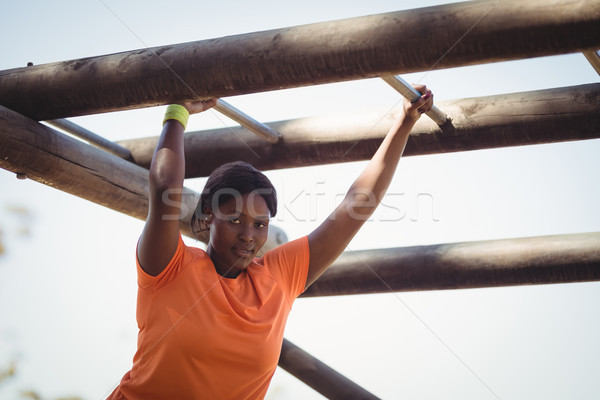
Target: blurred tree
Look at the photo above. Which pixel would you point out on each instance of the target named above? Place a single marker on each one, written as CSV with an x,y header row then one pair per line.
x,y
25,218
30,394
11,370
8,372
24,221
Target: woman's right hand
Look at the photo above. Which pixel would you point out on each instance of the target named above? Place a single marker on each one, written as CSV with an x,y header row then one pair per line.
x,y
197,106
413,110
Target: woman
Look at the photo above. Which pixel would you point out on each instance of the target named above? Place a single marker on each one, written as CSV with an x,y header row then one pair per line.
x,y
211,323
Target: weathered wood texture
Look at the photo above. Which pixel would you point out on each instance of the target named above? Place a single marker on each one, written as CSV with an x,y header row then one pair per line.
x,y
318,375
456,35
544,116
508,262
57,160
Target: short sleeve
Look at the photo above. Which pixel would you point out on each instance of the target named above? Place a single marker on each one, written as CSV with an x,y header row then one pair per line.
x,y
147,281
289,264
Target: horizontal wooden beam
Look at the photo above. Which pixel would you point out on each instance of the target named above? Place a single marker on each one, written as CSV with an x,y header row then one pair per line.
x,y
318,375
544,116
43,154
508,262
429,38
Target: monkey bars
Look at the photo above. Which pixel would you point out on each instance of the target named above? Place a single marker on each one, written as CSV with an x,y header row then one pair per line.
x,y
365,47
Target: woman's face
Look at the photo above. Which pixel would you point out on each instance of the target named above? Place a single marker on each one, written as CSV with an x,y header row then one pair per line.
x,y
238,229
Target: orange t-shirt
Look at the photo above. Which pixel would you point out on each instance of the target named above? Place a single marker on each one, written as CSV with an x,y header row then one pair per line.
x,y
203,336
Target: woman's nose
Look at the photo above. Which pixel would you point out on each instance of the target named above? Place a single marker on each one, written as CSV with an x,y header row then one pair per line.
x,y
246,233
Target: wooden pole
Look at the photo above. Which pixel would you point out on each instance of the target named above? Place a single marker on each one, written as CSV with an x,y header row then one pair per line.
x,y
43,154
458,34
544,116
318,375
509,262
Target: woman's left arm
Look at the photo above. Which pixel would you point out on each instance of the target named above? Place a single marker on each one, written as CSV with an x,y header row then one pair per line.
x,y
330,239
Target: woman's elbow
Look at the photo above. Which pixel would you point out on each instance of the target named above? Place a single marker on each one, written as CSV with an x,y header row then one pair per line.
x,y
164,179
360,205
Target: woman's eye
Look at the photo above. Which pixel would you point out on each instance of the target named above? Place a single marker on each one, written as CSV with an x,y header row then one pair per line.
x,y
235,220
261,225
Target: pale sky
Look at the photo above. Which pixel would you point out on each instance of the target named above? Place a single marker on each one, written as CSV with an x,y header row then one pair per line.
x,y
68,289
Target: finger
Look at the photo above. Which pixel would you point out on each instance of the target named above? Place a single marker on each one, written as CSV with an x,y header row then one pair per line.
x,y
423,101
427,99
204,104
209,103
420,88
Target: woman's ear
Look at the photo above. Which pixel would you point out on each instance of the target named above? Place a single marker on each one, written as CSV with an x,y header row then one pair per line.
x,y
202,223
208,218
196,226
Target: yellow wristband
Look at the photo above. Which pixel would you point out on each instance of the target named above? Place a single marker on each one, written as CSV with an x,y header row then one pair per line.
x,y
177,112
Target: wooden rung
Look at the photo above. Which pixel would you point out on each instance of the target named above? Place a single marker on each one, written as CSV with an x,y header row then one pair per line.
x,y
91,137
594,58
262,130
406,90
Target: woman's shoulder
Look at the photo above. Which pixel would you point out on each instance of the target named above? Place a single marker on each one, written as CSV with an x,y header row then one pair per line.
x,y
291,254
194,253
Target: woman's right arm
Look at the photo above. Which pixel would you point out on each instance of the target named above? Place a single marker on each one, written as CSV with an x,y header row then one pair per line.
x,y
160,235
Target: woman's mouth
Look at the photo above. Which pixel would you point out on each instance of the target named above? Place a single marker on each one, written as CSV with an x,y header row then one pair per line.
x,y
242,252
